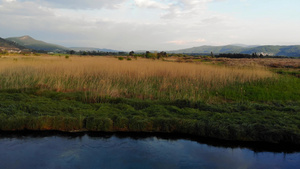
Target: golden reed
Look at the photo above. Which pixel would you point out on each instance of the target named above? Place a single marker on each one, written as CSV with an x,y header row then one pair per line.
x,y
110,77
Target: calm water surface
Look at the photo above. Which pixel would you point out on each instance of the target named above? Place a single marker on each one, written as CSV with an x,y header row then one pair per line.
x,y
112,151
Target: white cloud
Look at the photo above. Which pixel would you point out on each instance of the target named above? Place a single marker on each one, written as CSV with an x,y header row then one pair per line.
x,y
23,9
186,9
77,4
184,42
86,4
175,8
10,0
150,4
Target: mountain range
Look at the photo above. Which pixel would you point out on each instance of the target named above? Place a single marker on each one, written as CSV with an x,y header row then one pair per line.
x,y
290,51
37,45
77,49
24,42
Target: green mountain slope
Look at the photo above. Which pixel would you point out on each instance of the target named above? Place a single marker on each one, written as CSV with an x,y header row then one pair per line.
x,y
290,51
31,43
214,49
274,50
8,45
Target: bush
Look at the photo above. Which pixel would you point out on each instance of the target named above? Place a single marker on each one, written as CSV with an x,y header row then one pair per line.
x,y
120,58
99,124
138,123
120,123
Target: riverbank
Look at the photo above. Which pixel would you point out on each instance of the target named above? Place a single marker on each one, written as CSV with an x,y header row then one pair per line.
x,y
48,110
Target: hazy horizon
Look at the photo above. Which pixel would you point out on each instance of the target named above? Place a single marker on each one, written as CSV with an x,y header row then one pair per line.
x,y
152,24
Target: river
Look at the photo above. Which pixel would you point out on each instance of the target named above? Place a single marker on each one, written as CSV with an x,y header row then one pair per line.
x,y
84,151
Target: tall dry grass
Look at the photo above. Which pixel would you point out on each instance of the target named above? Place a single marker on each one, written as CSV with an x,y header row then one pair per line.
x,y
109,77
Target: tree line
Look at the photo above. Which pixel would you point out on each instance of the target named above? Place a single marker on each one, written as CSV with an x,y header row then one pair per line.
x,y
162,54
147,54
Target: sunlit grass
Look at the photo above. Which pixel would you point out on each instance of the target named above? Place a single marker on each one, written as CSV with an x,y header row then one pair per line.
x,y
109,77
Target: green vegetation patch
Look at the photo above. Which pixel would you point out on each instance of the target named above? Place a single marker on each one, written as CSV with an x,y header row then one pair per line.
x,y
292,72
276,122
281,89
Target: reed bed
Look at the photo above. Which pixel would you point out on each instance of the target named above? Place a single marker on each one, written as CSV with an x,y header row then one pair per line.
x,y
110,77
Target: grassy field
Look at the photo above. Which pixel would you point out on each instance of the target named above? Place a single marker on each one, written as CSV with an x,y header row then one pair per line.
x,y
246,100
109,77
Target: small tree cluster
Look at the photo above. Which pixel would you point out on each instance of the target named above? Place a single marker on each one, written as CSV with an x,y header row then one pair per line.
x,y
156,55
97,53
162,55
131,53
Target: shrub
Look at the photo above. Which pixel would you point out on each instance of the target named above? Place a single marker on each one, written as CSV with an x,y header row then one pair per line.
x,y
99,124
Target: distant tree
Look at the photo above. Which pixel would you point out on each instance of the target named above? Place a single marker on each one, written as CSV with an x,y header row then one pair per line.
x,y
148,54
162,55
212,54
121,53
131,53
255,54
72,52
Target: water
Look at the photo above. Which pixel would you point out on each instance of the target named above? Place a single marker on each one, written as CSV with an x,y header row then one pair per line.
x,y
115,151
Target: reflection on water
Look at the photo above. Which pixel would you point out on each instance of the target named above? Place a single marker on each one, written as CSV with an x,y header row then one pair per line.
x,y
121,151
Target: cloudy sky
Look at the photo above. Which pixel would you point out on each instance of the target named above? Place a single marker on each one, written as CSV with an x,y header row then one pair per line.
x,y
152,24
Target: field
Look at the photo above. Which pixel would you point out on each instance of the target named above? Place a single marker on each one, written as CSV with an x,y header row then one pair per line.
x,y
108,77
232,99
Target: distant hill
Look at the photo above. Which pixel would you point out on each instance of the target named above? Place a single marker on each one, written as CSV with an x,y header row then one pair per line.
x,y
290,51
34,44
214,49
8,45
77,49
20,43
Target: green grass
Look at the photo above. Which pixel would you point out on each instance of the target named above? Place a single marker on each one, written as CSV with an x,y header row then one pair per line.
x,y
282,89
292,72
276,122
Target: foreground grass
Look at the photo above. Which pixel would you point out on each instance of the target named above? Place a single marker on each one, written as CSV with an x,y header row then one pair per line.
x,y
33,110
105,94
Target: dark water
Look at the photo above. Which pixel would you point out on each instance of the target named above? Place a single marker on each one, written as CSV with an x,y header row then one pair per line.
x,y
113,151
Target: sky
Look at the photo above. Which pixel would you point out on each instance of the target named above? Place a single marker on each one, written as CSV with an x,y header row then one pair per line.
x,y
152,24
